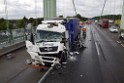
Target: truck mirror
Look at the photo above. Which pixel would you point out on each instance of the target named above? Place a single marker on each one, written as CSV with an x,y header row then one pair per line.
x,y
32,38
63,40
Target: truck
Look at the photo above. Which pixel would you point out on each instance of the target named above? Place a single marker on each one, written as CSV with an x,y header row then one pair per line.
x,y
104,23
53,41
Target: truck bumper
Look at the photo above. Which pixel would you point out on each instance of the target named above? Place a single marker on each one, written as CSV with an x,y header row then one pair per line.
x,y
42,60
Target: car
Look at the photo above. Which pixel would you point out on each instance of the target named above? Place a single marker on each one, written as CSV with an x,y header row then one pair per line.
x,y
113,29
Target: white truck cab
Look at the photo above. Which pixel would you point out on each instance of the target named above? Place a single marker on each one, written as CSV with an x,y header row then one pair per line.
x,y
49,43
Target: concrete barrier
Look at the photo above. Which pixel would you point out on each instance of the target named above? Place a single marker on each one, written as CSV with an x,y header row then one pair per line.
x,y
6,50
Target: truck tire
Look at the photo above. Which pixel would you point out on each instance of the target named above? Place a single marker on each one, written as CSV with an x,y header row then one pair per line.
x,y
63,57
120,37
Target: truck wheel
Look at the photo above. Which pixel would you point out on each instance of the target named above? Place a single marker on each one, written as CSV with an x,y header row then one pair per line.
x,y
120,37
63,57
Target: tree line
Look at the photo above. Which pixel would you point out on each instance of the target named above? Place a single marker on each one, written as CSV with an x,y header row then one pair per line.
x,y
18,23
21,23
112,17
81,18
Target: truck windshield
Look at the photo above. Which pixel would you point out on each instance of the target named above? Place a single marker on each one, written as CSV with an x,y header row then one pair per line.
x,y
49,36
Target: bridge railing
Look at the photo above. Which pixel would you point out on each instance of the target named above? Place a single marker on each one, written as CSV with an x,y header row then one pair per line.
x,y
14,36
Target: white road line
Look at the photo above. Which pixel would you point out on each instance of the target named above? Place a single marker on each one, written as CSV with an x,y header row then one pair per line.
x,y
118,42
97,48
122,45
40,81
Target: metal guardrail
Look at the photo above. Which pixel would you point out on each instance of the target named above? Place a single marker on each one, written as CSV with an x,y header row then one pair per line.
x,y
13,39
14,36
9,49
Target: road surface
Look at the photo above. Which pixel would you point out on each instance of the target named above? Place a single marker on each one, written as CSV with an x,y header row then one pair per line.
x,y
102,61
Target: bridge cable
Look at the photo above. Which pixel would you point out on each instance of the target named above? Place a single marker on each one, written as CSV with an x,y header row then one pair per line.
x,y
114,9
6,13
103,8
75,10
36,10
121,1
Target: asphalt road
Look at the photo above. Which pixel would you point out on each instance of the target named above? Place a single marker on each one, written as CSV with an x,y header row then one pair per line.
x,y
102,61
15,70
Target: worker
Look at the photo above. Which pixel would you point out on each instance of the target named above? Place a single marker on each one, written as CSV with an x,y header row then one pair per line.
x,y
84,31
32,38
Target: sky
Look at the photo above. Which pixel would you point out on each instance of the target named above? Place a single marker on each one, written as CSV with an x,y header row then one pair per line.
x,y
88,8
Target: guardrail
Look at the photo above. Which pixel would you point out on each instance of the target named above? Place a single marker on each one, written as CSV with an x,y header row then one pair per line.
x,y
13,39
9,49
14,36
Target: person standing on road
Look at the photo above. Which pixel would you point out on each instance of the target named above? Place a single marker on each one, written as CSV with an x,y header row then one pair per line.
x,y
84,31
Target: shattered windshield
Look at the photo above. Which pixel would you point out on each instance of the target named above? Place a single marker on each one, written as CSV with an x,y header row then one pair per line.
x,y
50,36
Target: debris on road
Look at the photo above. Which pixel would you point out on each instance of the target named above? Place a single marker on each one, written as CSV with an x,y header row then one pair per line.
x,y
72,58
28,62
81,75
9,56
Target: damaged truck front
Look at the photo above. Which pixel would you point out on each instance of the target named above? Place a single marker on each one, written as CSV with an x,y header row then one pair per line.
x,y
53,41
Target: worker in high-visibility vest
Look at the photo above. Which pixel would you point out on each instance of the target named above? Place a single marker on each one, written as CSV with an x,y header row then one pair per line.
x,y
84,29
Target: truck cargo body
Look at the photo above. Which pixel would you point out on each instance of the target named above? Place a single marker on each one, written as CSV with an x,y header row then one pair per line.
x,y
72,26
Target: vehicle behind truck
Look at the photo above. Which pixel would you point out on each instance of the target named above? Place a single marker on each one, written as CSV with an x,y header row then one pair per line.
x,y
104,23
53,41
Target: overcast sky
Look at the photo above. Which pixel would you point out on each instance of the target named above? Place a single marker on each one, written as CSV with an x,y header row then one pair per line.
x,y
88,8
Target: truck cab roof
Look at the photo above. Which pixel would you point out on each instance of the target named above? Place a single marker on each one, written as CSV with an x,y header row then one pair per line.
x,y
51,27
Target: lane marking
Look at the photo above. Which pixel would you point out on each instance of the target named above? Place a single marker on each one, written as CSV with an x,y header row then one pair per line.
x,y
97,48
122,45
16,75
44,76
118,42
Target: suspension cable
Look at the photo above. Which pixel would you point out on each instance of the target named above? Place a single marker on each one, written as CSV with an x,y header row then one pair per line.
x,y
121,1
103,8
110,6
114,10
6,14
64,12
36,11
73,2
